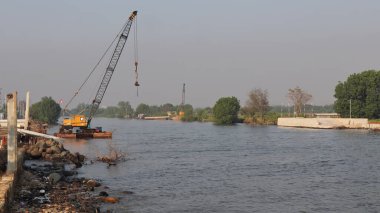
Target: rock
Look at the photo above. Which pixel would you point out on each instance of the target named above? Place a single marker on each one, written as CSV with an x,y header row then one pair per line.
x,y
109,199
63,154
80,157
103,194
70,173
41,144
56,150
55,157
49,151
92,183
49,143
36,184
25,193
127,192
47,156
35,153
54,177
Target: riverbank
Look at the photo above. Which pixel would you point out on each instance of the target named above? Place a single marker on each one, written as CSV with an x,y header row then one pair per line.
x,y
47,182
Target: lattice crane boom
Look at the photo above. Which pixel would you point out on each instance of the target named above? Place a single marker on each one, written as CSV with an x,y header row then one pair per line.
x,y
111,68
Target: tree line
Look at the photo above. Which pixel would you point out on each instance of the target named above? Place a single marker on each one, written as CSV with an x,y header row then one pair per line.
x,y
358,96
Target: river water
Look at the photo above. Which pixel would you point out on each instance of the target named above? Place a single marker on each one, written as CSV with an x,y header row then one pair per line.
x,y
200,167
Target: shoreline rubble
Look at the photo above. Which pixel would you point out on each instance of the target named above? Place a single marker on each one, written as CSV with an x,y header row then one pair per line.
x,y
49,182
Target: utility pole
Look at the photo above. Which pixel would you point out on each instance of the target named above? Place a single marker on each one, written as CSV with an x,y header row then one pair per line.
x,y
12,132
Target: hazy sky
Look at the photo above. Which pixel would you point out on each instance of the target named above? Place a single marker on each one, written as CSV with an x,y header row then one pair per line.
x,y
218,48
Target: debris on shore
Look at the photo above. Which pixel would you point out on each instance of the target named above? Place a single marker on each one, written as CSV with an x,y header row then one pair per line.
x,y
114,155
49,182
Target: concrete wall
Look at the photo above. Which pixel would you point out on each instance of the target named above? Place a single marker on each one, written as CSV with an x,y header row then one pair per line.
x,y
324,123
8,183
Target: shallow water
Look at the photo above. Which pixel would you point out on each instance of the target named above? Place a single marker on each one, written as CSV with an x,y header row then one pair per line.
x,y
200,167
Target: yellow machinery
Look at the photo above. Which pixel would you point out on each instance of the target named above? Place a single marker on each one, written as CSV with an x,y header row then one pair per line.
x,y
75,121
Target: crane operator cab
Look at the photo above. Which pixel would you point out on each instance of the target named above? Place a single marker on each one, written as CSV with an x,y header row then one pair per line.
x,y
74,121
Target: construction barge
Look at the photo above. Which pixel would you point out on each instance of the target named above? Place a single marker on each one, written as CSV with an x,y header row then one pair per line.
x,y
99,135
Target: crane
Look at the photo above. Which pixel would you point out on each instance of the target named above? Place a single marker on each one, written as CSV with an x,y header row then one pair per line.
x,y
81,120
182,112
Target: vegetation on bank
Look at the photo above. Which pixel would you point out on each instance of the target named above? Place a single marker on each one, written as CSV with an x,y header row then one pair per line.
x,y
359,95
226,111
46,110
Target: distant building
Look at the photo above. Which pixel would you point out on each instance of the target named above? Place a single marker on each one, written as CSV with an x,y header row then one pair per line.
x,y
327,115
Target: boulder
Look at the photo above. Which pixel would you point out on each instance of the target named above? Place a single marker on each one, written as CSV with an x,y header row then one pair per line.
x,y
56,150
80,157
41,144
49,151
63,154
92,183
35,153
103,194
54,178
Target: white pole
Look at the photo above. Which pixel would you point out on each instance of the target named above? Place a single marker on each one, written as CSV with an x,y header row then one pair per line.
x,y
26,125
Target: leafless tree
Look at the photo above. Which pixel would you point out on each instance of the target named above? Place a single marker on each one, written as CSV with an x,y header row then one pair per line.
x,y
299,97
257,103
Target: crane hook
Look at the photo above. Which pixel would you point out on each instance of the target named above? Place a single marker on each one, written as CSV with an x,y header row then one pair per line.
x,y
137,76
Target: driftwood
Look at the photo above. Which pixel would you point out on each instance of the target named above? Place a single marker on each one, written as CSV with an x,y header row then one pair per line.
x,y
114,155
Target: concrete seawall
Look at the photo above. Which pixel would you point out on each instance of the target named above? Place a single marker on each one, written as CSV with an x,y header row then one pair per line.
x,y
8,183
326,123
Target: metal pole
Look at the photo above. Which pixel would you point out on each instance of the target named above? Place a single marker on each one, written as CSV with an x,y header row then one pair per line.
x,y
350,108
26,125
12,132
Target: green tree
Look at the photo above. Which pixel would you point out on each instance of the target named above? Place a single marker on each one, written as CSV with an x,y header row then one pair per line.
x,y
46,110
203,114
363,91
142,109
125,110
226,110
188,110
168,107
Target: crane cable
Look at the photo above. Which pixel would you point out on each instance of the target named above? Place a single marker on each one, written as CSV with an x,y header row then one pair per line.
x,y
93,70
136,55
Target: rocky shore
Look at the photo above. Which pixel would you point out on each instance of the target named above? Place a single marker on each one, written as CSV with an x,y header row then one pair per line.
x,y
49,182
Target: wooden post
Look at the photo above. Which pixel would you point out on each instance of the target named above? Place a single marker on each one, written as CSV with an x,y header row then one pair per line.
x,y
12,132
26,125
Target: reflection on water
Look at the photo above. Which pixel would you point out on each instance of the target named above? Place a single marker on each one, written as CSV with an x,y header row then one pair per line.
x,y
199,167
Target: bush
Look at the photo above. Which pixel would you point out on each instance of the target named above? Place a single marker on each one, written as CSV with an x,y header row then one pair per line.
x,y
226,111
46,110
